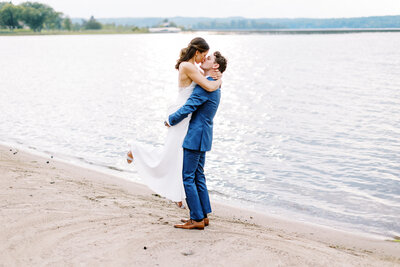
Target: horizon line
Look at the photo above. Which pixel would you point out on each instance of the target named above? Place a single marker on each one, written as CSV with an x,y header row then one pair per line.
x,y
241,17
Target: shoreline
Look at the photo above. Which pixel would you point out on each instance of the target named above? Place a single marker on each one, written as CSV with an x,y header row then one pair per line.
x,y
231,203
59,213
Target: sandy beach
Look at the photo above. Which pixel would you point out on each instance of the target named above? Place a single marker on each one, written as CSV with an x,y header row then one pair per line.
x,y
59,214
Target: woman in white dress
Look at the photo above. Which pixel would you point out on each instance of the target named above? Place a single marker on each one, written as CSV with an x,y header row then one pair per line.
x,y
160,168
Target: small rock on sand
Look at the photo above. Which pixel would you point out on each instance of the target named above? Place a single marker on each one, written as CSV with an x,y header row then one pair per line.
x,y
187,252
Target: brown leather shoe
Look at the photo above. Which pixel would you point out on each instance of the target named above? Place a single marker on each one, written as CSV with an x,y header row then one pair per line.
x,y
206,221
191,224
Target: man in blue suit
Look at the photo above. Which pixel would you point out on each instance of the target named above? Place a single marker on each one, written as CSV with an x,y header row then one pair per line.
x,y
203,105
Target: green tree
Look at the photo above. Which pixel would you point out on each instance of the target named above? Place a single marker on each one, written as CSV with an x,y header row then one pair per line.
x,y
10,15
35,15
54,20
33,18
1,21
92,24
67,24
76,26
172,24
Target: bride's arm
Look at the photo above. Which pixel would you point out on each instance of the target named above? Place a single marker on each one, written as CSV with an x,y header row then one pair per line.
x,y
194,74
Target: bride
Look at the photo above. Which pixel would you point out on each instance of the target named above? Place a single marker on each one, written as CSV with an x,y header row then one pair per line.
x,y
160,168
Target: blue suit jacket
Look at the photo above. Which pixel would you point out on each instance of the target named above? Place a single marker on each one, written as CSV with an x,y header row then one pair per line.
x,y
203,105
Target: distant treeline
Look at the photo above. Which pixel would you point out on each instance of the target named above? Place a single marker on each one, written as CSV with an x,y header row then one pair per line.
x,y
36,17
240,23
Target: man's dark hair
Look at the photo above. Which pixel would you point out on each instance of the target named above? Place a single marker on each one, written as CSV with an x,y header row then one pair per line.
x,y
221,61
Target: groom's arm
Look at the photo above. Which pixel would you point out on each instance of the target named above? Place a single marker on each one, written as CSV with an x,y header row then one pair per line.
x,y
198,97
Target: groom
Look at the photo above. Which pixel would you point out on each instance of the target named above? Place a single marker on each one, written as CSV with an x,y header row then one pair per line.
x,y
203,105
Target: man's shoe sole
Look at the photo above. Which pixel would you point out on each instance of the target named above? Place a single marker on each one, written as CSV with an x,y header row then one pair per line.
x,y
188,228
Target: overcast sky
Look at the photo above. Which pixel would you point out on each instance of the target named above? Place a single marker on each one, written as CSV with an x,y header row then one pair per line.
x,y
224,8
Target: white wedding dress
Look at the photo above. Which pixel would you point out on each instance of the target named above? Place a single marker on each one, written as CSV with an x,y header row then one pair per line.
x,y
160,168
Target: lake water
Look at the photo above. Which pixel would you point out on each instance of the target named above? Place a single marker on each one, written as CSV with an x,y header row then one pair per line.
x,y
308,126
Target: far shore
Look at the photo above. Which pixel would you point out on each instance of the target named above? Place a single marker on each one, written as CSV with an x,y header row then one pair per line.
x,y
85,32
4,32
54,213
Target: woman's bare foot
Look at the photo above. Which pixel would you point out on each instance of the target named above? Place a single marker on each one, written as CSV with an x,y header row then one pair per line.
x,y
129,157
180,205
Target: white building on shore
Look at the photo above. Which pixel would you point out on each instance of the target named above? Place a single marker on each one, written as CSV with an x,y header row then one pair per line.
x,y
165,28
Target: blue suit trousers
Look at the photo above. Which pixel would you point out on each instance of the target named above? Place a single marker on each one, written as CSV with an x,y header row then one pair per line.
x,y
194,182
